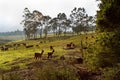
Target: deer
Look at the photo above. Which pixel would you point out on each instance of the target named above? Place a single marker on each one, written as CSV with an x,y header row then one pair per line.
x,y
29,46
50,54
38,55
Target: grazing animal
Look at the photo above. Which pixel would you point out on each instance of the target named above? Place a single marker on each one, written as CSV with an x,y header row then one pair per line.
x,y
80,60
51,47
37,45
70,46
4,48
50,54
39,55
92,36
24,44
29,46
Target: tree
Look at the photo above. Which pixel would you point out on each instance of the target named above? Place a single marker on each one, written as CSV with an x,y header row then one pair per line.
x,y
108,38
53,24
89,23
46,25
78,19
61,18
31,22
66,25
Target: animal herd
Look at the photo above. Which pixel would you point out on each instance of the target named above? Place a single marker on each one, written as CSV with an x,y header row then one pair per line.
x,y
38,55
15,46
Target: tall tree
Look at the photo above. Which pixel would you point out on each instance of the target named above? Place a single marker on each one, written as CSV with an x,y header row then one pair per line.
x,y
66,25
27,15
108,38
53,24
46,25
89,23
31,22
78,18
61,19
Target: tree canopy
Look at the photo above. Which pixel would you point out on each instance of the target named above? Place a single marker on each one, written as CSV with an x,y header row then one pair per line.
x,y
35,22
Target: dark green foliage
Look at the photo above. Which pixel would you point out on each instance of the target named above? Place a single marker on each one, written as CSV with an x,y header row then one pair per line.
x,y
105,52
108,16
108,39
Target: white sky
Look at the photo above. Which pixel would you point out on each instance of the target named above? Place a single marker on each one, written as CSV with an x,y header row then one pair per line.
x,y
11,11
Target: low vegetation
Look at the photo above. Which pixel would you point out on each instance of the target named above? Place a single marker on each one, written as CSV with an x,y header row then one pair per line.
x,y
64,64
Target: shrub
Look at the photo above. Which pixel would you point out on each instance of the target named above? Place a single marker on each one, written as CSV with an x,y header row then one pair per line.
x,y
52,73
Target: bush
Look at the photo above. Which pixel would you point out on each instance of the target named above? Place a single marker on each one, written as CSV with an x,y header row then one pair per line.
x,y
52,73
11,76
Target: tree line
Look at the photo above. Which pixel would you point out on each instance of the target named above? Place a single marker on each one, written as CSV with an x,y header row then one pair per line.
x,y
12,33
35,22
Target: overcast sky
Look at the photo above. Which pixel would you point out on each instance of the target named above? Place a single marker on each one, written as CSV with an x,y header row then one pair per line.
x,y
11,11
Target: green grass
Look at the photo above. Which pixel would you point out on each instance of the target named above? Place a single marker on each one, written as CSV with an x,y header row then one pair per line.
x,y
19,57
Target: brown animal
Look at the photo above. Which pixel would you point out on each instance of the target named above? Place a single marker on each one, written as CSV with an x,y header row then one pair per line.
x,y
92,36
4,48
50,54
29,46
23,44
70,46
39,55
51,47
37,45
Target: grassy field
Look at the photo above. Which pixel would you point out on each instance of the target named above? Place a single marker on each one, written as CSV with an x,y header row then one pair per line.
x,y
23,58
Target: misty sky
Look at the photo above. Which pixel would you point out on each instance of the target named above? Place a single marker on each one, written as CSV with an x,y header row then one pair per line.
x,y
11,11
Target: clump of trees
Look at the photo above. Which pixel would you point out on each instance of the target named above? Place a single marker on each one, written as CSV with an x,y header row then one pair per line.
x,y
105,54
35,22
108,26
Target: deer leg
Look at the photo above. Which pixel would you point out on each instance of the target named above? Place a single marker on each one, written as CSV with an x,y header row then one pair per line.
x,y
48,57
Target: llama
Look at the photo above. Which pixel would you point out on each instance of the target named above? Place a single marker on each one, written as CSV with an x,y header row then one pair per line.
x,y
29,46
51,47
70,46
38,55
50,54
4,48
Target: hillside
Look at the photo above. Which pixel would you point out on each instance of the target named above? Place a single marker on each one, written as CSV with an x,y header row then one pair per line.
x,y
20,59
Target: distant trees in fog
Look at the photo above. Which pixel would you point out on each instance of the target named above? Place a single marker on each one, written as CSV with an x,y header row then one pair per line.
x,y
16,32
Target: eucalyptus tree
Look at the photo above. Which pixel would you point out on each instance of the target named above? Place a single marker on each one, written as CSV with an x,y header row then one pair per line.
x,y
61,22
89,23
66,25
31,22
25,22
64,22
41,28
78,19
46,25
53,24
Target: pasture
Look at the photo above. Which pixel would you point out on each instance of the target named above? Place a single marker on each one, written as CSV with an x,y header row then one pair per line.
x,y
21,58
